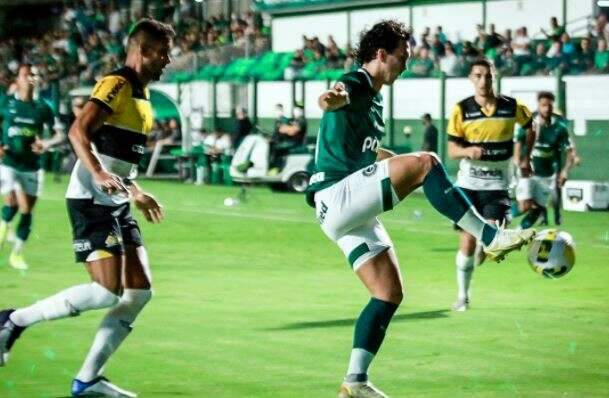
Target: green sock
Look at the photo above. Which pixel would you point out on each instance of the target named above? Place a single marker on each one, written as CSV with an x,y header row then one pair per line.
x,y
369,333
8,213
24,227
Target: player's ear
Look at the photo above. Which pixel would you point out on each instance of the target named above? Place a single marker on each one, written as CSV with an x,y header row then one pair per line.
x,y
381,54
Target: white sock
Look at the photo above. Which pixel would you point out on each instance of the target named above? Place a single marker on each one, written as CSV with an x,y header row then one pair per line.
x,y
473,223
465,270
69,302
18,245
358,364
114,328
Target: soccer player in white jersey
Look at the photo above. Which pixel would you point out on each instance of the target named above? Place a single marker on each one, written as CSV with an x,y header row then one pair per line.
x,y
355,180
108,137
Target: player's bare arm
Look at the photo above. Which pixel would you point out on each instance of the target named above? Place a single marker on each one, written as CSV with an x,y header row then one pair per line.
x,y
80,134
383,153
457,151
334,99
146,203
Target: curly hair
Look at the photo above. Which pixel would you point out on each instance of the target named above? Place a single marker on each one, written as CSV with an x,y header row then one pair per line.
x,y
385,34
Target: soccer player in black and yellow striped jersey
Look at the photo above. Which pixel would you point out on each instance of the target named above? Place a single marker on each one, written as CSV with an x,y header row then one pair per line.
x,y
108,137
481,133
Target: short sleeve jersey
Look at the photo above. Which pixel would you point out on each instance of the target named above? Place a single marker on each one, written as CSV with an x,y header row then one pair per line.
x,y
121,140
22,123
551,141
349,136
469,125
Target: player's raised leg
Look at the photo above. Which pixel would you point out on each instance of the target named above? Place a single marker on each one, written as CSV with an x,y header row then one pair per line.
x,y
407,172
381,276
101,292
116,326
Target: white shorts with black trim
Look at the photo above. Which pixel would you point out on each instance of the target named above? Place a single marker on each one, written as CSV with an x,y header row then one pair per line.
x,y
348,209
29,182
536,188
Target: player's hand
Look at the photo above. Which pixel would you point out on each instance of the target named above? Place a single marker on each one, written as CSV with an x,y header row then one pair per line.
x,y
525,168
37,147
474,152
148,205
577,161
336,97
2,150
562,178
110,183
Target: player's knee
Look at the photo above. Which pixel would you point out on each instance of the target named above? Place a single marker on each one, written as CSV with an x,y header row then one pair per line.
x,y
428,161
393,295
101,297
137,297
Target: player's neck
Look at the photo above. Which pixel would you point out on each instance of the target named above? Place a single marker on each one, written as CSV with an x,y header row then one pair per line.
x,y
485,100
25,95
137,68
375,76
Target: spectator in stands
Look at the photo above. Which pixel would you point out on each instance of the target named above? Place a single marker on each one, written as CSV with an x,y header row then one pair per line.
x,y
584,60
422,64
441,34
601,27
568,48
539,64
449,63
555,31
507,38
430,136
243,126
507,63
298,60
601,58
521,42
437,47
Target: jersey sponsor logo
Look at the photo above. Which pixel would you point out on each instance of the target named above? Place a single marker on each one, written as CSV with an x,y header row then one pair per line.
x,y
117,87
15,131
19,119
322,213
485,174
473,114
370,143
370,170
82,245
138,149
112,240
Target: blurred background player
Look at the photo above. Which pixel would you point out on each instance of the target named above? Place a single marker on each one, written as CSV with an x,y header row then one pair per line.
x,y
355,180
107,239
552,143
480,133
24,120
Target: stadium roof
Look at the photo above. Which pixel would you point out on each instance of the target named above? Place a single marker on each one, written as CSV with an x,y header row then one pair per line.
x,y
296,6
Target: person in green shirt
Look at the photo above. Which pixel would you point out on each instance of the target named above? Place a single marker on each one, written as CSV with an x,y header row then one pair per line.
x,y
551,143
24,120
354,180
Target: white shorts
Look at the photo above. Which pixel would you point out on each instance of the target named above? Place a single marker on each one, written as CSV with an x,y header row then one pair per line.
x,y
347,212
536,188
29,182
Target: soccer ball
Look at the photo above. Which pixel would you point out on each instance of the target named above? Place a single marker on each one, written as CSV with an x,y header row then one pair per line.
x,y
552,253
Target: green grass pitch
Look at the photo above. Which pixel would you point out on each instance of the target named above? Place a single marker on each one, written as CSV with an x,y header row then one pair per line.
x,y
254,301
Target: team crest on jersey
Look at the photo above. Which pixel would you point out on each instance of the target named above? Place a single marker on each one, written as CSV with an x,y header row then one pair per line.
x,y
112,240
370,170
370,143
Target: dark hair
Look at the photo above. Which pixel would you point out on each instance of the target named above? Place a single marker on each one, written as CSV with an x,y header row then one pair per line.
x,y
427,117
385,34
151,29
481,62
545,94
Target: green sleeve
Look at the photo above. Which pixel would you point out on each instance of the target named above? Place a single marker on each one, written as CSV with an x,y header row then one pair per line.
x,y
565,140
356,90
521,136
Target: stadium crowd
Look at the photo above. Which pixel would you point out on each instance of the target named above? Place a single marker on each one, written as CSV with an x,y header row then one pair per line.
x,y
87,39
515,53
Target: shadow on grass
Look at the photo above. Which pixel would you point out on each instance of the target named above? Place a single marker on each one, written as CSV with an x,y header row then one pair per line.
x,y
351,321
